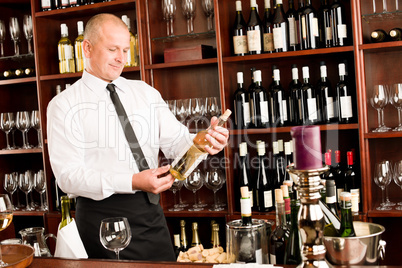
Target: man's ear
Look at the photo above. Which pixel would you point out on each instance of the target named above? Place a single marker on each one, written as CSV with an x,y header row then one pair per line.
x,y
86,48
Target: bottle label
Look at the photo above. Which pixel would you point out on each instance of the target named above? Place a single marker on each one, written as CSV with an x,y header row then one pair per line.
x,y
188,160
287,205
268,42
284,110
330,108
73,2
254,40
346,107
292,31
65,3
315,27
245,207
304,27
240,44
330,199
272,258
264,111
46,4
312,109
328,33
246,112
258,256
356,191
342,31
278,38
267,199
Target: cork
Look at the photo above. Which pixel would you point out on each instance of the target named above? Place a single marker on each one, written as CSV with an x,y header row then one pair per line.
x,y
244,192
278,195
346,196
285,191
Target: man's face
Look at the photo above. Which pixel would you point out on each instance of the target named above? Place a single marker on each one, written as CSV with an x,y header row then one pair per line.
x,y
107,55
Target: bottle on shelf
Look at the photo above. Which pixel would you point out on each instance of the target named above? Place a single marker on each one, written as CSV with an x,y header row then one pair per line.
x,y
378,36
294,244
264,186
330,199
239,32
347,229
286,199
280,28
339,176
252,83
339,28
328,175
344,97
326,99
29,71
323,191
57,4
8,74
300,11
65,212
296,115
215,231
259,103
131,53
46,5
245,206
79,55
279,168
395,34
268,36
244,170
66,52
74,3
332,221
279,103
191,157
324,23
309,22
196,239
65,3
183,237
212,231
351,177
288,159
176,239
254,30
309,102
292,18
241,104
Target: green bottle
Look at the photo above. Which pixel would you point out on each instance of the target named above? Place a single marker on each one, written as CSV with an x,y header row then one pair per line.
x,y
293,247
347,229
65,212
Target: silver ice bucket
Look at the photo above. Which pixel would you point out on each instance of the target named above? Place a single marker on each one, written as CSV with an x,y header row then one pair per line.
x,y
364,249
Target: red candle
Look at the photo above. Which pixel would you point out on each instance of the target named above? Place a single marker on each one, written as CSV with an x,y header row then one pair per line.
x,y
306,147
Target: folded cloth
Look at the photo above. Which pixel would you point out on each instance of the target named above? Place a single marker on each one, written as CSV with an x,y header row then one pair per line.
x,y
69,244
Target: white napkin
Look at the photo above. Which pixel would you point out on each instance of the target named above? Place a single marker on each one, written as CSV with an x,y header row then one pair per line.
x,y
69,244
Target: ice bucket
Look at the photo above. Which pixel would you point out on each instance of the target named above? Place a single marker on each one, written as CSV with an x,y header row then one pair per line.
x,y
364,249
246,244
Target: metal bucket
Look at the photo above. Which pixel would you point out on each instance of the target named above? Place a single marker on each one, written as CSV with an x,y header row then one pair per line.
x,y
363,249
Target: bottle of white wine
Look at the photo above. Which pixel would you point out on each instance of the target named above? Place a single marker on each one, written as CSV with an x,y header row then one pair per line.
x,y
66,52
131,58
189,159
65,212
79,57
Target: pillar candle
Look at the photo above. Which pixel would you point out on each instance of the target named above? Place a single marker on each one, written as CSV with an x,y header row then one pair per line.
x,y
306,147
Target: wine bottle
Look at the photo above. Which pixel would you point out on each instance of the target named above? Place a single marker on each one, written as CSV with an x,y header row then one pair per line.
x,y
288,161
263,185
280,162
252,84
296,115
191,157
323,190
324,23
66,52
73,3
279,106
275,172
212,231
280,234
57,4
344,98
339,29
347,229
46,5
131,52
19,73
280,29
326,99
291,16
65,212
378,36
268,36
339,176
330,199
176,239
196,239
29,71
259,103
183,236
395,34
309,102
239,32
79,55
294,244
309,27
9,74
254,30
286,199
241,104
65,3
300,11
245,206
244,171
215,231
328,175
332,222
351,177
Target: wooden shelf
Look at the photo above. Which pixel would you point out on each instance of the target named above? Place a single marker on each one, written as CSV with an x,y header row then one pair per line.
x,y
384,213
192,214
377,46
28,213
18,81
21,151
189,63
383,135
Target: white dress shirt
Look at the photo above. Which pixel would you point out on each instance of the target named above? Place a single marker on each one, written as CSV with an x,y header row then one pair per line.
x,y
88,150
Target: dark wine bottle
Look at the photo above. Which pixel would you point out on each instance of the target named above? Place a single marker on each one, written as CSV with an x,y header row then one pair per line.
x,y
268,36
286,199
347,229
395,34
300,11
259,103
294,244
176,239
332,222
378,36
309,102
330,199
296,115
263,186
244,170
339,176
339,28
279,103
351,177
254,30
239,32
328,175
309,27
241,104
280,29
183,237
292,18
344,98
245,206
276,171
326,99
9,74
324,24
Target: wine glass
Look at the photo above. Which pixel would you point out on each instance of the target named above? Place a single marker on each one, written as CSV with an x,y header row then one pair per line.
x,y
35,123
214,181
398,179
169,10
40,187
382,178
189,12
25,184
115,234
27,27
172,106
208,7
15,34
6,124
2,37
379,99
197,110
387,168
182,109
396,100
176,186
6,217
23,123
10,185
193,183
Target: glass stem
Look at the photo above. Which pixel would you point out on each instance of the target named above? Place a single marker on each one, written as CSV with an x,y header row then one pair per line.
x,y
26,196
29,46
215,200
180,201
23,141
175,199
383,197
118,255
386,195
39,138
188,25
11,200
41,201
382,118
374,9
171,27
384,5
195,200
209,20
167,28
191,24
8,144
399,117
16,49
1,50
379,117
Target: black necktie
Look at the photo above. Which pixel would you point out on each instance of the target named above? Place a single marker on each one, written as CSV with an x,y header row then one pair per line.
x,y
131,138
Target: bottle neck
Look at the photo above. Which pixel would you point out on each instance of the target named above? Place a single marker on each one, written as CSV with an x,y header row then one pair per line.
x,y
280,214
183,237
294,206
196,239
65,210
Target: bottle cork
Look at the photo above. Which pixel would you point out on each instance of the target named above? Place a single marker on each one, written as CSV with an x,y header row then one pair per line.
x,y
346,196
279,196
244,192
285,191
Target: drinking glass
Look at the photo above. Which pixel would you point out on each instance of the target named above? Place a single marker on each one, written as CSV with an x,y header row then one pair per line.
x,y
25,183
214,181
382,178
398,179
35,123
10,185
23,123
197,110
379,99
208,7
387,168
193,183
6,216
396,100
189,12
115,234
169,10
2,37
176,186
7,124
211,109
40,187
172,106
182,109
27,27
15,34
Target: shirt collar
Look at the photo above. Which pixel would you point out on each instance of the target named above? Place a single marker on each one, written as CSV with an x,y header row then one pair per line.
x,y
98,86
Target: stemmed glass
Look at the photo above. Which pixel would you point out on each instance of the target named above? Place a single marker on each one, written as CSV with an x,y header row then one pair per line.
x,y
193,183
396,100
197,110
6,217
176,186
172,106
40,187
23,123
27,27
379,99
115,234
189,12
15,34
382,178
10,185
398,179
25,184
35,123
2,37
182,109
169,10
208,7
214,182
7,124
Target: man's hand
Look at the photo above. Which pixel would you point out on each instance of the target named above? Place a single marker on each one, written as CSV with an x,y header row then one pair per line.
x,y
153,180
217,136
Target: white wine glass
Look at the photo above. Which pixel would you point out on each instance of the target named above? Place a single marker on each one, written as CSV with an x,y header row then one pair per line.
x,y
2,37
388,170
172,106
6,217
379,99
176,186
188,7
169,11
40,187
396,100
115,234
197,110
398,179
15,34
35,123
214,181
182,109
7,123
25,183
382,178
208,7
193,183
23,123
10,185
27,27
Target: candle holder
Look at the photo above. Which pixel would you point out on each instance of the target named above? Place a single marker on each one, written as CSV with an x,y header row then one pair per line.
x,y
311,218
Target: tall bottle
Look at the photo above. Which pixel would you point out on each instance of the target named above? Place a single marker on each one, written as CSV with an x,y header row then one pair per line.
x,y
245,206
241,104
280,28
259,103
176,240
331,196
191,157
339,176
332,221
263,185
296,115
254,30
279,103
239,32
79,55
309,27
131,58
196,239
293,247
244,170
279,164
183,237
287,200
215,231
325,27
268,36
347,229
344,97
351,177
309,102
66,52
339,28
292,18
326,99
65,212
300,11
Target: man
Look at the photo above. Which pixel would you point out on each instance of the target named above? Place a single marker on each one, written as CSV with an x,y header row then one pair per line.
x,y
90,154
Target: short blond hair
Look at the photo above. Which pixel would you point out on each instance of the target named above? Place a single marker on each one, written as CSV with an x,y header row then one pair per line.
x,y
93,28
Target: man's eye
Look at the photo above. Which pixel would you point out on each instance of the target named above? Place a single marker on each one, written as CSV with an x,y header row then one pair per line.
x,y
112,49
125,50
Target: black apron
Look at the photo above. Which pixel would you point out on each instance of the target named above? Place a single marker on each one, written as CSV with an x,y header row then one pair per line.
x,y
150,236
